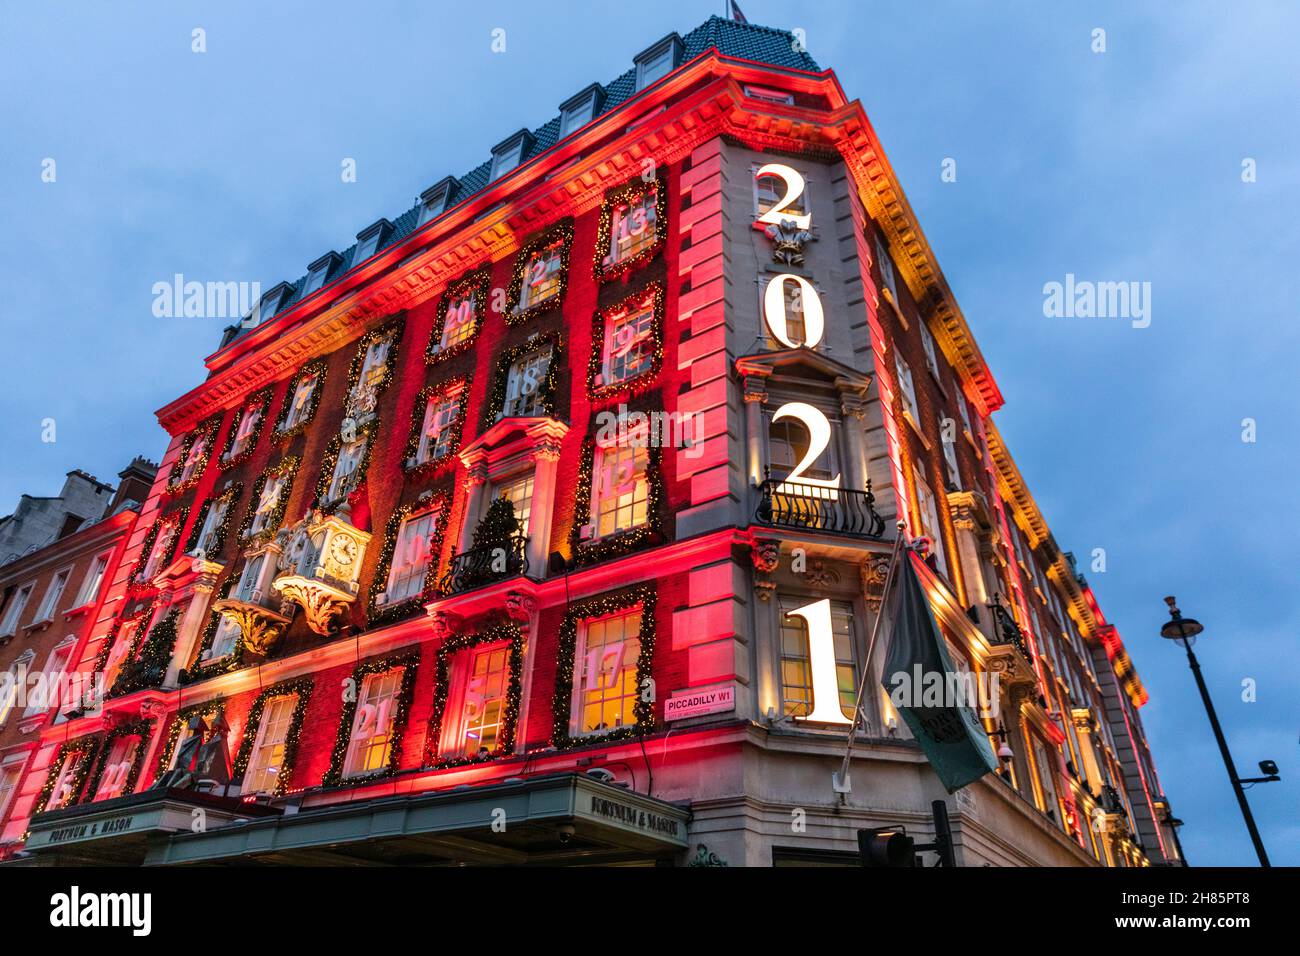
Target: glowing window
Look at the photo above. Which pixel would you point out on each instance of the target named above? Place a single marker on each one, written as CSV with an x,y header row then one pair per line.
x,y
411,557
621,491
372,725
485,699
524,384
629,345
268,750
440,415
796,660
605,673
117,767
459,324
519,492
268,502
633,228
542,274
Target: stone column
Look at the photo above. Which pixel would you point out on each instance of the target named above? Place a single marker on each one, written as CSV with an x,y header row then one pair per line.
x,y
475,479
546,455
190,631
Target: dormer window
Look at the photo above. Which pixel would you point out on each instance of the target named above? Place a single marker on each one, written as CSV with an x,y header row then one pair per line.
x,y
658,61
272,302
579,110
318,272
509,153
370,239
435,200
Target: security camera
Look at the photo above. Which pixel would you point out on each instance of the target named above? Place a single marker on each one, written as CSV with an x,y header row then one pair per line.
x,y
566,832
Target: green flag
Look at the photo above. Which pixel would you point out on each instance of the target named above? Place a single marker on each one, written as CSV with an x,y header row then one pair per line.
x,y
925,688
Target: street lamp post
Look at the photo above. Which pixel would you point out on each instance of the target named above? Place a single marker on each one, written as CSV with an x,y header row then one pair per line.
x,y
1184,630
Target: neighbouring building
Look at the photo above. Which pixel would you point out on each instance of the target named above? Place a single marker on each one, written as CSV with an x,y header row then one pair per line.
x,y
50,599
503,535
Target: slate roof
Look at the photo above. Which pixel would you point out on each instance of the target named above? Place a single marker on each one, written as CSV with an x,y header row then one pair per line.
x,y
741,40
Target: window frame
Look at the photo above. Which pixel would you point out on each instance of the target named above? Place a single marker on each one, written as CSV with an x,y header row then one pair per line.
x,y
13,615
87,594
48,609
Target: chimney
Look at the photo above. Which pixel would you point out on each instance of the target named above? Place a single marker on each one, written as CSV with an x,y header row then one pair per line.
x,y
136,480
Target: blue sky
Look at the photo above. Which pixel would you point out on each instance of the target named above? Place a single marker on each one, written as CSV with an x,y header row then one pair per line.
x,y
1119,166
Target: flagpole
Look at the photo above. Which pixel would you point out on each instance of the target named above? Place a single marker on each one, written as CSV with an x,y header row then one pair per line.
x,y
840,781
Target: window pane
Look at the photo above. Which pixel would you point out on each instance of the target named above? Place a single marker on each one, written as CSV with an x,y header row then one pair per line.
x,y
606,678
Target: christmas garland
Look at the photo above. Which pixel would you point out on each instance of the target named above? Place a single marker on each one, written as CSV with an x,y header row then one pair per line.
x,y
595,367
206,429
427,395
149,667
229,495
502,630
549,389
317,368
642,594
392,330
477,284
622,542
205,709
632,193
261,403
139,728
408,662
231,662
378,615
562,233
180,514
300,687
87,747
286,467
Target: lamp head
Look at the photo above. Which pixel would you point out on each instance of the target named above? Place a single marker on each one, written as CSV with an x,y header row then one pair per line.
x,y
1179,628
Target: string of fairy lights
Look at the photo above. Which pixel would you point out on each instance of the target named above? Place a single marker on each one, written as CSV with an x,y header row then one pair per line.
x,y
476,285
652,295
286,468
134,728
630,194
428,395
205,430
547,390
622,542
148,667
173,522
227,498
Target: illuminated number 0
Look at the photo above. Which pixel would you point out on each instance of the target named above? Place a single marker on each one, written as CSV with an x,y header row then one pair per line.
x,y
814,321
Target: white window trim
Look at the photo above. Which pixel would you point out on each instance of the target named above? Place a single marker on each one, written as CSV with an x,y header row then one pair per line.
x,y
19,761
258,742
580,674
13,615
54,591
85,599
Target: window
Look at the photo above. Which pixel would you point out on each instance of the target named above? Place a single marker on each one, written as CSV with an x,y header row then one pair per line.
x,y
63,791
964,412
268,750
950,457
460,322
484,700
629,345
53,594
117,767
580,109
194,459
373,368
10,773
17,604
605,673
507,158
48,690
268,503
319,272
633,227
11,680
796,328
347,470
542,276
365,248
769,95
121,650
1047,801
205,545
168,528
770,189
788,444
270,304
929,518
519,492
94,579
227,633
435,200
411,557
372,726
441,416
301,407
657,61
906,390
245,432
796,659
931,350
524,397
620,496
887,270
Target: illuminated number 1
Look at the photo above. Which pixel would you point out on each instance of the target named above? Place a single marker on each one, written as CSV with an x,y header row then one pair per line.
x,y
821,661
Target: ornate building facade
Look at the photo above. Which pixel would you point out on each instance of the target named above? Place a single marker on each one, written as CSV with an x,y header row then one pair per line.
x,y
505,535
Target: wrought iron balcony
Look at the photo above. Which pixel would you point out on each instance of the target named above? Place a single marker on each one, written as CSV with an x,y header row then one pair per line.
x,y
486,564
808,507
1007,631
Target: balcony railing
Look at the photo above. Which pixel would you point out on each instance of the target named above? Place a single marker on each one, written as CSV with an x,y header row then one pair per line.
x,y
806,507
486,564
1007,631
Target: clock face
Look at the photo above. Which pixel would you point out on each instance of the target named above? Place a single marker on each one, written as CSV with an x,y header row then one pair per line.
x,y
343,550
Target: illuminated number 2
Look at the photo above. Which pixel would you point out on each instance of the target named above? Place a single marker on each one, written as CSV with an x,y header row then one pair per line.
x,y
793,190
819,438
821,661
778,321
